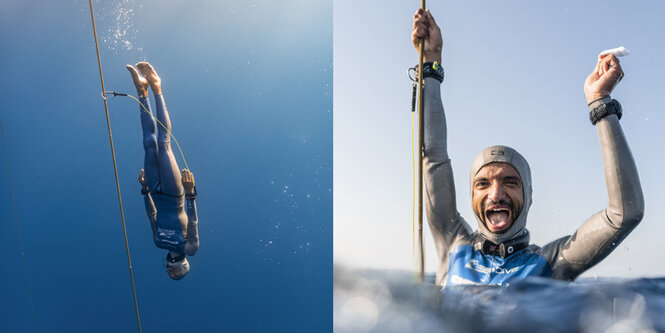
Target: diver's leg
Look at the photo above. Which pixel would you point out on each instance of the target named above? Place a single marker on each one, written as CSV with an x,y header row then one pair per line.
x,y
148,124
151,159
169,173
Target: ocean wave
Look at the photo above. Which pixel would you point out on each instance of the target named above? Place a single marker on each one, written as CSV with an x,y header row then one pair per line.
x,y
392,301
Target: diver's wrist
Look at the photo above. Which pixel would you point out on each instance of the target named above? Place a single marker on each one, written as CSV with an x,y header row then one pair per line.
x,y
432,56
603,107
191,194
433,69
598,101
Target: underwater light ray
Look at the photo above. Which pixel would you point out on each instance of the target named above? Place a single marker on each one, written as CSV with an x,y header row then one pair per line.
x,y
18,227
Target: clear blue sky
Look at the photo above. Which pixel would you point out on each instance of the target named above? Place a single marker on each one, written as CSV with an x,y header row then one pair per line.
x,y
248,85
514,76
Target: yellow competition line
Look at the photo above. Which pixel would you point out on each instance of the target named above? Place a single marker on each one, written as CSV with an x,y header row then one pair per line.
x,y
413,179
168,130
115,168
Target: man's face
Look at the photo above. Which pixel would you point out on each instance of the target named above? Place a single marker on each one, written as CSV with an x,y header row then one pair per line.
x,y
498,196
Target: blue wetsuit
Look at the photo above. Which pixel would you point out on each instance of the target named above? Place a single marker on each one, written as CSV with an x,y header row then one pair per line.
x,y
483,257
469,266
174,226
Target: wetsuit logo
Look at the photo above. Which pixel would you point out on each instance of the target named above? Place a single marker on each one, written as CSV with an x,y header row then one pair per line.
x,y
165,232
473,264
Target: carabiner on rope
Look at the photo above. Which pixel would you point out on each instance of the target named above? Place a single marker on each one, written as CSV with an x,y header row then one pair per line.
x,y
104,93
411,72
414,86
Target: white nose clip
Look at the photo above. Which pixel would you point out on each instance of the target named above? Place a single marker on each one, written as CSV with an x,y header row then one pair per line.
x,y
617,51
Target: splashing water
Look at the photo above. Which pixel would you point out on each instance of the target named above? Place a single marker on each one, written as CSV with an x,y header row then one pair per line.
x,y
391,301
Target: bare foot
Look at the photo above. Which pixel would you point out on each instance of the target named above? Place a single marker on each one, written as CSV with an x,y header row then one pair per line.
x,y
139,81
150,75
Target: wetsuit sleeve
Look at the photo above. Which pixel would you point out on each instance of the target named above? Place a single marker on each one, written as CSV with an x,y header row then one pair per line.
x,y
192,244
151,211
445,222
603,232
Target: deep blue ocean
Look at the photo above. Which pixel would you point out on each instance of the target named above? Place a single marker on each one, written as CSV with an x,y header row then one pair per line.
x,y
248,85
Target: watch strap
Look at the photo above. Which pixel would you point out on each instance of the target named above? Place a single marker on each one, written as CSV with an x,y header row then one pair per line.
x,y
604,107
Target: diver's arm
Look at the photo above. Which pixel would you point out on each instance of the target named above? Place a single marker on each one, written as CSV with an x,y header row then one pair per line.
x,y
149,204
445,222
440,200
192,226
151,211
603,232
188,184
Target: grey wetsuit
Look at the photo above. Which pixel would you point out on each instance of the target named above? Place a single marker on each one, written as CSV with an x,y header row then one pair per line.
x,y
481,257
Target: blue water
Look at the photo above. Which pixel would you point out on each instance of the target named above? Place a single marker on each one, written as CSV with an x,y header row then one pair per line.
x,y
248,85
390,301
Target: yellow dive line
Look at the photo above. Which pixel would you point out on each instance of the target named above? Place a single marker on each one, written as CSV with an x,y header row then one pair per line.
x,y
413,195
421,140
166,128
115,168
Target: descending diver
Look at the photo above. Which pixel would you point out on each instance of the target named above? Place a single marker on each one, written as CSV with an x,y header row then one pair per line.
x,y
499,251
166,192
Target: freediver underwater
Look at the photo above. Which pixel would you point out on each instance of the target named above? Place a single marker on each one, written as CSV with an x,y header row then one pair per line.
x,y
169,194
264,147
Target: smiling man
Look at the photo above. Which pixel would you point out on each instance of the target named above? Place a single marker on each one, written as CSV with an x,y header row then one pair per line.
x,y
499,251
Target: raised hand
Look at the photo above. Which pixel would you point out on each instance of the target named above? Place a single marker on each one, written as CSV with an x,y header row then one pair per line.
x,y
424,27
604,78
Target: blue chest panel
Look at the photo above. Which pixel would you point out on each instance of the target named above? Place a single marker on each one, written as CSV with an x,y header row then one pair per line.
x,y
169,235
170,213
468,266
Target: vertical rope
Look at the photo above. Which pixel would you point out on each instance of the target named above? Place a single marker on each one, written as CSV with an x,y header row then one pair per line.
x,y
421,140
414,242
18,227
115,167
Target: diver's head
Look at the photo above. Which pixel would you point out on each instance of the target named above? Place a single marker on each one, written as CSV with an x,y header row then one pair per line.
x,y
176,266
500,192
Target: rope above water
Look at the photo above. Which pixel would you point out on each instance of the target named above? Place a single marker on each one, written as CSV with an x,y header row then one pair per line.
x,y
115,167
421,140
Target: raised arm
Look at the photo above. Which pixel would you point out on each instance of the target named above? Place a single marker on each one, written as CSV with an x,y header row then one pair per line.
x,y
603,232
192,244
445,222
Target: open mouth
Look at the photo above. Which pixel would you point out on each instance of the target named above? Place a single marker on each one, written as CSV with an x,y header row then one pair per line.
x,y
498,218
